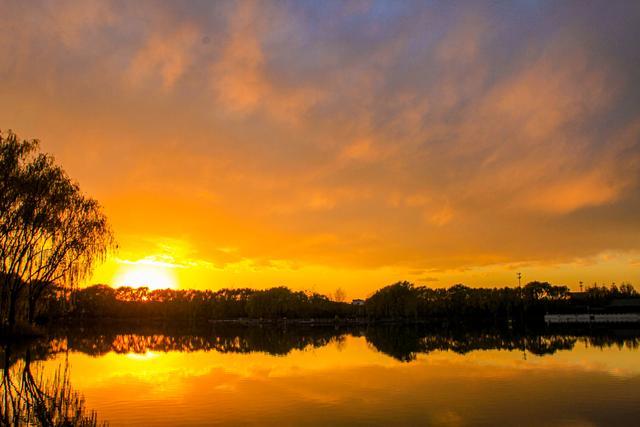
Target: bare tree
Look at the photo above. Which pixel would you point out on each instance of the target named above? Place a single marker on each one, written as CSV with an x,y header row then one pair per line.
x,y
50,232
339,295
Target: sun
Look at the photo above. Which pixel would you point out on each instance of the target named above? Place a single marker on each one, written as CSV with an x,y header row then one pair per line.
x,y
154,275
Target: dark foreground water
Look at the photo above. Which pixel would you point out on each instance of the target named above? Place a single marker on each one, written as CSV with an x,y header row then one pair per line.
x,y
316,376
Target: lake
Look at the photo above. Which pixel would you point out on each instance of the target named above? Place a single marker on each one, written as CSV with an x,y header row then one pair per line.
x,y
326,376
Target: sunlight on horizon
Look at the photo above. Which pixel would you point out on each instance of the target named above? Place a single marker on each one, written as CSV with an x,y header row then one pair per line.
x,y
252,167
145,272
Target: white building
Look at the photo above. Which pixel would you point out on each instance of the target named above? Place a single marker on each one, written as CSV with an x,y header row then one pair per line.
x,y
592,318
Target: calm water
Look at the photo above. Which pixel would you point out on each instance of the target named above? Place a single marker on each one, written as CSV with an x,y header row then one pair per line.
x,y
389,376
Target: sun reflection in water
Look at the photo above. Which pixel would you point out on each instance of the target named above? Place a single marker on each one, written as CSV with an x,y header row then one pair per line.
x,y
142,356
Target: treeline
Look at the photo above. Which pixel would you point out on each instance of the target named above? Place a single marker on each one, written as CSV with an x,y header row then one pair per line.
x,y
401,301
102,301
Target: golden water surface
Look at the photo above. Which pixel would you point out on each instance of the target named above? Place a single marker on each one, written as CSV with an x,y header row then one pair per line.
x,y
139,380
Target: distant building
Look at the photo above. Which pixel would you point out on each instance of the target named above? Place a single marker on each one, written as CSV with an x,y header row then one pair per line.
x,y
592,318
359,302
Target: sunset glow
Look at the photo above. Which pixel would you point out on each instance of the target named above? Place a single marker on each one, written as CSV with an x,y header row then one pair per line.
x,y
320,213
350,145
149,273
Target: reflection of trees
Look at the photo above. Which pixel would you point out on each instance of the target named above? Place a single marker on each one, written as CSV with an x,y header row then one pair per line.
x,y
401,342
405,343
41,349
398,342
30,398
227,339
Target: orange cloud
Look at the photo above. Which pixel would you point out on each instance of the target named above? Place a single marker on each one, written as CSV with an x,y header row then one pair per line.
x,y
239,78
574,193
350,145
165,55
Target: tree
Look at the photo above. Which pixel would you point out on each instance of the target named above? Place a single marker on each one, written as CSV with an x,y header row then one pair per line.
x,y
396,301
50,232
339,295
627,290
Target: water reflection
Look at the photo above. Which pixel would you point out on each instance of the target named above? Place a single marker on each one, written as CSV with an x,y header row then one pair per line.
x,y
29,397
318,376
403,343
269,340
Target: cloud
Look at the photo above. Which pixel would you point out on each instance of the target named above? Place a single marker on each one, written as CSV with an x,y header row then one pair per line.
x,y
239,77
366,135
167,55
574,193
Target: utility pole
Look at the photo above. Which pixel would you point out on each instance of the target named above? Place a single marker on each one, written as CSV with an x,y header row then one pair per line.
x,y
524,343
580,285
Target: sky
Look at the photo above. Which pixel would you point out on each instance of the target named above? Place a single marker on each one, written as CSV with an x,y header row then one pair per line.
x,y
340,144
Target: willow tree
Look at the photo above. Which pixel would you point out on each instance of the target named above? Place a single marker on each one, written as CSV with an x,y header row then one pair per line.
x,y
50,232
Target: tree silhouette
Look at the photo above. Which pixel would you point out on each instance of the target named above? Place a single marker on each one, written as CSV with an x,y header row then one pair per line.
x,y
49,230
339,295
